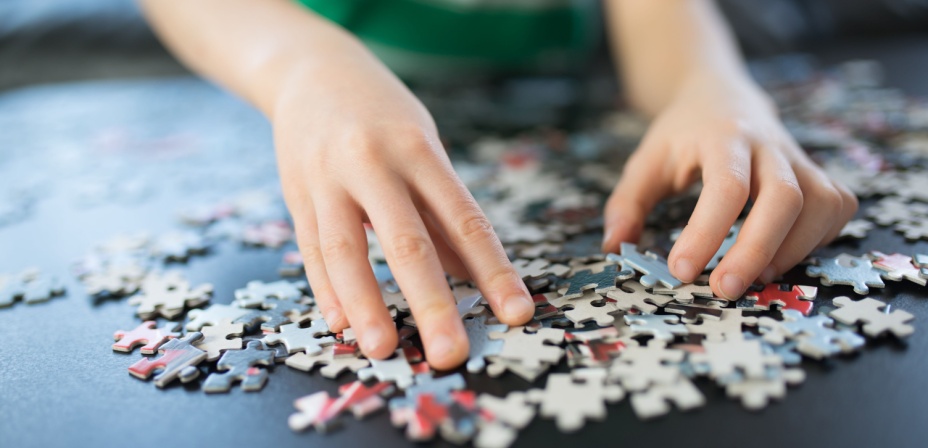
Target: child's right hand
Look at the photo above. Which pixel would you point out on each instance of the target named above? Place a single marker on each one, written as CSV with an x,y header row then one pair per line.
x,y
356,146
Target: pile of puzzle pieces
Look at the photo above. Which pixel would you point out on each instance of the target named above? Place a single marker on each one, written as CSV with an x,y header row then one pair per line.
x,y
606,327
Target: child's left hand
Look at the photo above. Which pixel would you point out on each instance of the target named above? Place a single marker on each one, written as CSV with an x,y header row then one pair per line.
x,y
727,133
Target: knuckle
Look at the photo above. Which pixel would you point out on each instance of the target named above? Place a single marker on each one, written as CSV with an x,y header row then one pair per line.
x,y
312,254
789,193
849,202
501,277
735,184
434,311
337,246
757,253
829,198
475,227
411,248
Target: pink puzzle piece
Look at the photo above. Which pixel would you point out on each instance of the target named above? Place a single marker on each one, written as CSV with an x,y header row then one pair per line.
x,y
178,360
147,334
898,267
797,298
269,234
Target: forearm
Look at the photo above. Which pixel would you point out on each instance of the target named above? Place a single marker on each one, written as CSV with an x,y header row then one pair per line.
x,y
659,44
260,49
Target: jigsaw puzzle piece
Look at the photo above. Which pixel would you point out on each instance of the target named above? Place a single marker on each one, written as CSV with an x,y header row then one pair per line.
x,y
481,346
875,321
655,401
653,267
321,411
216,339
395,369
241,366
572,401
847,270
297,339
335,359
178,359
797,297
146,335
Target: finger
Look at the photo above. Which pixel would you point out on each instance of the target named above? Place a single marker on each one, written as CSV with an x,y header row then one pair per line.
x,y
778,204
344,249
415,265
849,206
307,238
471,236
726,174
822,205
642,184
450,261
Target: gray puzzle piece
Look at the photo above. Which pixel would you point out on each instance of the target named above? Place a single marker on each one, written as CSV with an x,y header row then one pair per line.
x,y
661,327
395,369
847,270
240,365
478,336
653,267
600,282
296,339
256,294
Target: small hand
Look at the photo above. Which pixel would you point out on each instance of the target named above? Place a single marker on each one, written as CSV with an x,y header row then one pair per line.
x,y
363,149
728,134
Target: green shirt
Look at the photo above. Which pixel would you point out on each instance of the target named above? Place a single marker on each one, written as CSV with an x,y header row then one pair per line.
x,y
440,38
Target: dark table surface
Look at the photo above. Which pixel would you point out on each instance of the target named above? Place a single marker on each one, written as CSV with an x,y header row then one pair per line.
x,y
62,385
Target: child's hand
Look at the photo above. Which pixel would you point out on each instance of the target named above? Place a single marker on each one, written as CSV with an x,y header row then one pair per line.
x,y
356,146
728,134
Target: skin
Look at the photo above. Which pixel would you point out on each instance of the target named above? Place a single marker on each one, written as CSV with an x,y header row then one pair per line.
x,y
346,128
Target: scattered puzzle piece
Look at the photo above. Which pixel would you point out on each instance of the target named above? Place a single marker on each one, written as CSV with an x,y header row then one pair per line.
x,y
31,287
396,370
332,358
870,313
847,270
321,411
897,267
216,339
296,339
571,402
241,366
146,335
633,295
653,268
532,350
167,294
798,297
600,282
257,294
178,359
481,346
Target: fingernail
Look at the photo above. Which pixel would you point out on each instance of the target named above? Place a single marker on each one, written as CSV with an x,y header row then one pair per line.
x,y
768,274
731,286
685,270
332,317
607,237
441,345
372,339
517,306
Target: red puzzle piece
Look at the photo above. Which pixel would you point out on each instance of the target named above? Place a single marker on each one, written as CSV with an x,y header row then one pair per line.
x,y
147,334
320,411
178,359
797,298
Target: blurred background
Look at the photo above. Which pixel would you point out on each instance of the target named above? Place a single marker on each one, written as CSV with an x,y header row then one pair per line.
x,y
48,41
